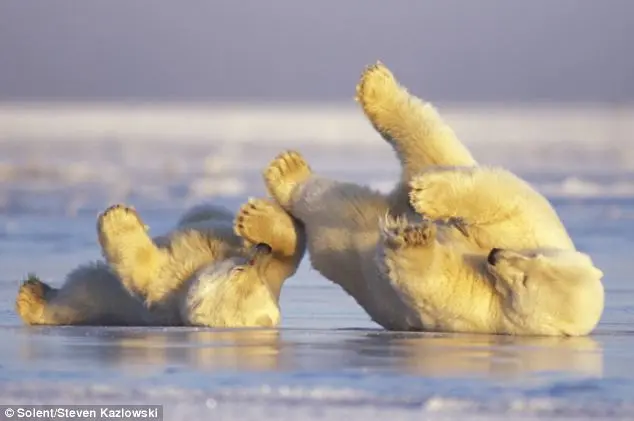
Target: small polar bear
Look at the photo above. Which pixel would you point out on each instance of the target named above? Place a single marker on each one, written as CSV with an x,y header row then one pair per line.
x,y
211,270
454,247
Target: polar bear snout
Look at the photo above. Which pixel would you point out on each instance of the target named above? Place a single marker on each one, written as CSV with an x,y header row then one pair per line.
x,y
494,256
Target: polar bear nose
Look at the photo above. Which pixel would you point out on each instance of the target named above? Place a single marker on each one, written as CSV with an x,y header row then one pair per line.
x,y
260,249
494,256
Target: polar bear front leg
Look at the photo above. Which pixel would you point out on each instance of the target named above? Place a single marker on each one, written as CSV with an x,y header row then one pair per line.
x,y
468,198
263,222
398,234
414,128
129,250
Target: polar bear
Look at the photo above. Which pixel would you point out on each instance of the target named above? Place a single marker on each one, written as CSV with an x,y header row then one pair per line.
x,y
212,269
352,240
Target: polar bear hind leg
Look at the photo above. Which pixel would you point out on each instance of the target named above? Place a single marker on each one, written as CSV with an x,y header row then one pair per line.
x,y
414,128
284,175
91,295
264,222
340,219
31,301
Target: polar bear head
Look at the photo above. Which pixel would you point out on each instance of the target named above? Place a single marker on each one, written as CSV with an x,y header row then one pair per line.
x,y
548,291
233,292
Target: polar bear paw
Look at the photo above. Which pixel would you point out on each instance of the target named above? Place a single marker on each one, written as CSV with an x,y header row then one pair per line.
x,y
433,193
429,210
31,299
398,233
437,195
255,221
123,235
117,220
377,84
284,174
129,250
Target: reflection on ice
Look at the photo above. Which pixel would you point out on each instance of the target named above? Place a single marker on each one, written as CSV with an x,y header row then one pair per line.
x,y
412,354
294,372
487,356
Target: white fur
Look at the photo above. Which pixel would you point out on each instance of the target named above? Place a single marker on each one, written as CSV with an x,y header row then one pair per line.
x,y
419,271
214,298
199,273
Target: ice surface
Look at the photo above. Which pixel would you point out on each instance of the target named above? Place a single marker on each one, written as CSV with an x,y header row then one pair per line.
x,y
59,167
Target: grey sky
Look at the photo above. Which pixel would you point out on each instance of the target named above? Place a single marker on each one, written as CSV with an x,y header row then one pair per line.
x,y
451,50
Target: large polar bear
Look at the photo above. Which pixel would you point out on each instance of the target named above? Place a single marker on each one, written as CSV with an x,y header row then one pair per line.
x,y
484,252
212,270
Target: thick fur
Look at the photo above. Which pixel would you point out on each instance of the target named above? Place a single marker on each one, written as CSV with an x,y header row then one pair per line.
x,y
495,207
454,286
428,270
91,295
341,225
411,126
212,269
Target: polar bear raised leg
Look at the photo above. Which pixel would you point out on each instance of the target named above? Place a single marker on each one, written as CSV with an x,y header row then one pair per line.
x,y
497,208
131,252
263,222
414,128
145,269
340,219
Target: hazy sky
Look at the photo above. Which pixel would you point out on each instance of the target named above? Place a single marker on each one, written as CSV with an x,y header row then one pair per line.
x,y
446,50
